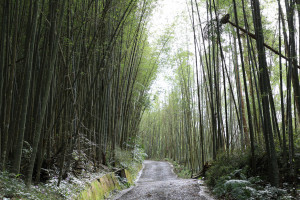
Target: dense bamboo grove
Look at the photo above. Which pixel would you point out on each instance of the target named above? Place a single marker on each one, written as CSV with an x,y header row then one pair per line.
x,y
74,82
240,92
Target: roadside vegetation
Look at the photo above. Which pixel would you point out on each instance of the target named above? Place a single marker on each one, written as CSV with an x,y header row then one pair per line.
x,y
12,186
179,169
232,178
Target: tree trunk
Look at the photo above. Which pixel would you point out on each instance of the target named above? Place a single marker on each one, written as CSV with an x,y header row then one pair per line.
x,y
29,51
273,173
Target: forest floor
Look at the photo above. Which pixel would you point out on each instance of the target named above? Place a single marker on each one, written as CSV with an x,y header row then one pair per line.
x,y
158,181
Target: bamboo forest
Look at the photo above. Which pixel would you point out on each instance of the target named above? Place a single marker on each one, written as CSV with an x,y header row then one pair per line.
x,y
149,99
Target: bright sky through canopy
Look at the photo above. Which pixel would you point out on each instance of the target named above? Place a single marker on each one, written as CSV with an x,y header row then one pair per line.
x,y
164,14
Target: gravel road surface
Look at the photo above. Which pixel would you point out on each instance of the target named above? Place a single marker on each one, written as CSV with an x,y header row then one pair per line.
x,y
158,181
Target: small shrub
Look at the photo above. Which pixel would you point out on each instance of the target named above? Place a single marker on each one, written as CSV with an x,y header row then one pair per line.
x,y
241,193
123,158
215,172
230,178
179,169
233,184
139,154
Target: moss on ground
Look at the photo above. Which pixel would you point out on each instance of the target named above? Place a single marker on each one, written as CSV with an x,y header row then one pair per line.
x,y
102,187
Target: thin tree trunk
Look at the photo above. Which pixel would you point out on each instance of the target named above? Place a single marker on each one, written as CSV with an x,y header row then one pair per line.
x,y
273,173
281,91
29,50
55,32
246,88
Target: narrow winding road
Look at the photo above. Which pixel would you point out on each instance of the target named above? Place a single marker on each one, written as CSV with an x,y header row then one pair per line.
x,y
159,182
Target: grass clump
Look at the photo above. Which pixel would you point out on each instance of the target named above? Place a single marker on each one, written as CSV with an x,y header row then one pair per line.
x,y
180,170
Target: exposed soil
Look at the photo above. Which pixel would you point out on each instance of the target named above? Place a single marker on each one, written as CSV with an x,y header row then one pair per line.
x,y
158,181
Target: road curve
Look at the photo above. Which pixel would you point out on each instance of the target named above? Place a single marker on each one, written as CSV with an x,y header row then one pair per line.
x,y
159,182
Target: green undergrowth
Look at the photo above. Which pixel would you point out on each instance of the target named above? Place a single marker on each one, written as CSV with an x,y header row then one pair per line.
x,y
129,158
131,161
180,170
13,187
230,177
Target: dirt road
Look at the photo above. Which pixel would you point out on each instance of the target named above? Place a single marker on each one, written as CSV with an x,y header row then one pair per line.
x,y
158,182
